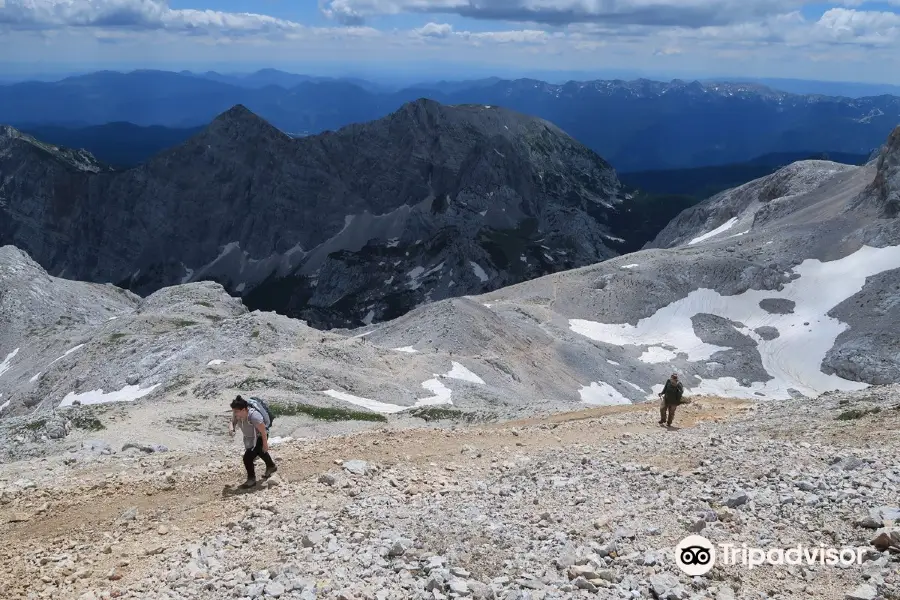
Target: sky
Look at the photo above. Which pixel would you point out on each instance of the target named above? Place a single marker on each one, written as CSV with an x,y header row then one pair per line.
x,y
846,40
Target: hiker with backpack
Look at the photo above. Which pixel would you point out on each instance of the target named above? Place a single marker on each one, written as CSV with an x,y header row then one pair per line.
x,y
671,395
254,419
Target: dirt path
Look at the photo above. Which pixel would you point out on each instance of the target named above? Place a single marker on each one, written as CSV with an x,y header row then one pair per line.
x,y
191,500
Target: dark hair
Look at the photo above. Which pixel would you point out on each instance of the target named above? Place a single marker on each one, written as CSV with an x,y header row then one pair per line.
x,y
239,403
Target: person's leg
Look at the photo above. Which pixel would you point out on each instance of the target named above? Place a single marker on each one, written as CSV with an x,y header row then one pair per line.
x,y
671,418
267,458
249,459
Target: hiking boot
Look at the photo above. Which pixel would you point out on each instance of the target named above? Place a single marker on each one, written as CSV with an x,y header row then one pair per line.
x,y
662,423
248,484
270,471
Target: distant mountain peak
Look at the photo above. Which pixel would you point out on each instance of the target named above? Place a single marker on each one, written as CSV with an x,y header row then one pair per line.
x,y
240,120
238,112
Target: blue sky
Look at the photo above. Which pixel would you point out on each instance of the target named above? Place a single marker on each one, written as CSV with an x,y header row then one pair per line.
x,y
851,40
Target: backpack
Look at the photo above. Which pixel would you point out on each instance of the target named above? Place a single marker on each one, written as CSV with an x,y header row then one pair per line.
x,y
262,408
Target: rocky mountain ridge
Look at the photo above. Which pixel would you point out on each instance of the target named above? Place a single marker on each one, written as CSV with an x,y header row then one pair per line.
x,y
885,189
451,200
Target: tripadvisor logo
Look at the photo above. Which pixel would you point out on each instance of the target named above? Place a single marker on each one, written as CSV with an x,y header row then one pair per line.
x,y
695,555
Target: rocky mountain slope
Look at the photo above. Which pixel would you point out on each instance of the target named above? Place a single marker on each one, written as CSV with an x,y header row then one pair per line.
x,y
340,229
572,506
801,302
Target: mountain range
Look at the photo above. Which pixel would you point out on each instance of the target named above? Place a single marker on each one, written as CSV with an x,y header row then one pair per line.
x,y
341,228
635,125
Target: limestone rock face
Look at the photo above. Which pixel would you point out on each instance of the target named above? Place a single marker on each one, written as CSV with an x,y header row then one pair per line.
x,y
342,228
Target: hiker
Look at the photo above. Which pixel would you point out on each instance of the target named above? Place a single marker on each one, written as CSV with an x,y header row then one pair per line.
x,y
252,421
671,398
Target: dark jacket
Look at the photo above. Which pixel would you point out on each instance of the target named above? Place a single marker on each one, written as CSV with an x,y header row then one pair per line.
x,y
672,392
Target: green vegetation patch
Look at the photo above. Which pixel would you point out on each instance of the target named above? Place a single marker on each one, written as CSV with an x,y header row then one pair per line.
x,y
857,413
184,323
439,413
323,413
205,303
86,422
36,425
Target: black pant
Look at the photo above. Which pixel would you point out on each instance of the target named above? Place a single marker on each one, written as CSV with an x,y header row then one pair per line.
x,y
667,408
250,457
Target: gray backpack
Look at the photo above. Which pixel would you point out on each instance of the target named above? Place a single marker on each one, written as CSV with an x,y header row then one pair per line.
x,y
262,408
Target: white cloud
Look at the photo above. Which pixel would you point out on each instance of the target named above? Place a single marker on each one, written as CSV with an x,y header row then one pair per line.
x,y
134,15
444,31
434,30
840,25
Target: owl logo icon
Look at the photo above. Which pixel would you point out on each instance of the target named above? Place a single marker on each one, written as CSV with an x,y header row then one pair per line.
x,y
695,555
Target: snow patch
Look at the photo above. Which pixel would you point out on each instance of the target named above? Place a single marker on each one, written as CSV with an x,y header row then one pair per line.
x,y
720,229
441,394
34,378
129,393
214,362
407,349
460,372
631,266
68,352
367,320
601,394
5,405
419,272
479,272
188,273
792,361
612,362
373,405
4,366
656,355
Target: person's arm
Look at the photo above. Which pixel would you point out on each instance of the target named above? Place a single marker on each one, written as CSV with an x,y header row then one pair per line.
x,y
261,428
665,387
